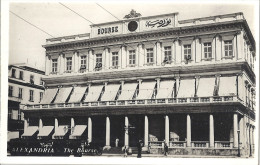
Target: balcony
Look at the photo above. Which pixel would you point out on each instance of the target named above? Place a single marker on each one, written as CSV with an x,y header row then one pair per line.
x,y
167,101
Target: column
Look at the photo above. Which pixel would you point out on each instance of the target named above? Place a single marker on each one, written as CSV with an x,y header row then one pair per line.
x,y
218,48
140,55
40,124
178,52
126,132
146,131
235,124
107,132
188,131
25,124
89,129
167,131
158,53
240,45
62,63
90,61
241,129
107,58
76,62
211,131
123,57
198,50
72,125
56,124
177,84
47,65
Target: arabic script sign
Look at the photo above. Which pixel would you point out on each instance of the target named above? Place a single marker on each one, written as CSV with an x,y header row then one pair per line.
x,y
158,23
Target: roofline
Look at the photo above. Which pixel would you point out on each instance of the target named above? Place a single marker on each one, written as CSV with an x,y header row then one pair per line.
x,y
28,68
126,20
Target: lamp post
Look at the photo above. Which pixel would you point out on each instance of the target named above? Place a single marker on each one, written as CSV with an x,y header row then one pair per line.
x,y
238,133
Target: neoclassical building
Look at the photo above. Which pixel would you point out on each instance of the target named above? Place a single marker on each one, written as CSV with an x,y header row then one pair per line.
x,y
190,83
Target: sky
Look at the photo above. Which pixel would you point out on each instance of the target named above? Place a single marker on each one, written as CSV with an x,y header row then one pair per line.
x,y
25,41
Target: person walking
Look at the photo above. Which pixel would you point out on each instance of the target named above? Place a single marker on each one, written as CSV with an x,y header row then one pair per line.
x,y
125,151
139,147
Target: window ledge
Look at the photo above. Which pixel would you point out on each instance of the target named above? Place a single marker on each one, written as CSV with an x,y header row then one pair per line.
x,y
149,64
114,67
131,65
228,57
207,59
68,71
53,72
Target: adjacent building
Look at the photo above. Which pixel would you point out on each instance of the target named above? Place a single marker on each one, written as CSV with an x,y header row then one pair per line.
x,y
25,86
188,83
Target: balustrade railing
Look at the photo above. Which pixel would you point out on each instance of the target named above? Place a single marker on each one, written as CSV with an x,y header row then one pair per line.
x,y
177,144
223,144
200,144
156,144
138,102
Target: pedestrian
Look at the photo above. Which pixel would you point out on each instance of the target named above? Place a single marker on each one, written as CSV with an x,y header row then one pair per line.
x,y
149,147
125,151
165,149
116,142
139,147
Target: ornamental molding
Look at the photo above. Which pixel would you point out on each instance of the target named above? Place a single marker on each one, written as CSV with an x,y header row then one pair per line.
x,y
172,33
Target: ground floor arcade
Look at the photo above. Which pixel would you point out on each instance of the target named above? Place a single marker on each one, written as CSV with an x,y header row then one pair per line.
x,y
178,130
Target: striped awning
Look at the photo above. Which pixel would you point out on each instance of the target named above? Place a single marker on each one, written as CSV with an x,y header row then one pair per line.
x,y
77,95
186,88
93,93
30,131
165,90
63,95
128,91
45,131
227,86
146,90
49,95
110,92
206,87
78,130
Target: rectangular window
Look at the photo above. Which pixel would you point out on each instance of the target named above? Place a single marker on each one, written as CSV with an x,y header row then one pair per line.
x,y
167,54
21,75
114,59
149,54
132,57
228,47
10,91
83,62
98,62
13,73
32,79
41,96
207,50
20,94
187,52
69,64
31,95
54,65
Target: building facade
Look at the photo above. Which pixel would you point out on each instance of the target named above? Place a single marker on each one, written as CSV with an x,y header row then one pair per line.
x,y
25,86
187,83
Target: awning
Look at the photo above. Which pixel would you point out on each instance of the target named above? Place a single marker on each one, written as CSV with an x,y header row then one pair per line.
x,y
45,131
30,131
93,93
110,92
78,130
227,86
206,87
49,95
61,130
165,90
146,90
128,91
186,88
77,94
63,95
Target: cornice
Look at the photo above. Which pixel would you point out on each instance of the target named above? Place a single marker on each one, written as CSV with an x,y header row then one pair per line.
x,y
171,33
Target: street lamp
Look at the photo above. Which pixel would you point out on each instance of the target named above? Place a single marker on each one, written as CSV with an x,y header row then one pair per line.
x,y
238,134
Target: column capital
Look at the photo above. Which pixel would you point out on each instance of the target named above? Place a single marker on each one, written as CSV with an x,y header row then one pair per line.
x,y
157,79
122,82
197,76
139,80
